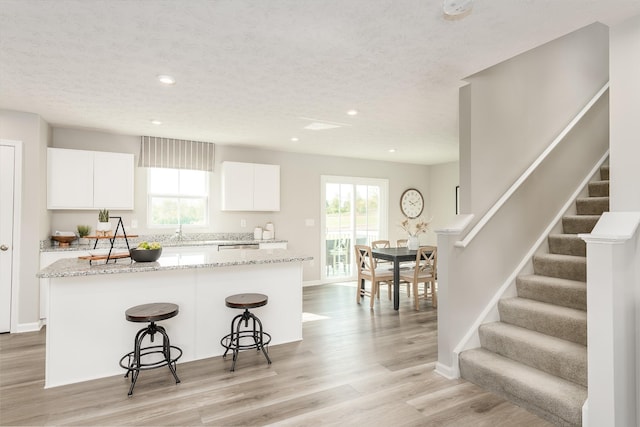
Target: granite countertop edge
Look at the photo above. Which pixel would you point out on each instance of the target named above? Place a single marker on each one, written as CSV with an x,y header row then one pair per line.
x,y
75,267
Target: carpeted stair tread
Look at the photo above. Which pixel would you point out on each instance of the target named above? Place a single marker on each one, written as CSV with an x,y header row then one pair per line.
x,y
555,356
567,244
561,322
592,205
553,290
555,399
561,266
599,188
604,172
574,224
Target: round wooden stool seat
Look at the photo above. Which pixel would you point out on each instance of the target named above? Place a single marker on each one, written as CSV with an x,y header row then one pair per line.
x,y
246,300
153,312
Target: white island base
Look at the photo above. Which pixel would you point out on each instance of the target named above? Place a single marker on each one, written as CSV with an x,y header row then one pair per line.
x,y
87,332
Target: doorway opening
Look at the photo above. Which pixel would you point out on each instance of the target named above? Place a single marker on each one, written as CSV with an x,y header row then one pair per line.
x,y
354,212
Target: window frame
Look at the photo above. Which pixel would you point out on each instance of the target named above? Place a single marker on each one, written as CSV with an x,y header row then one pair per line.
x,y
205,197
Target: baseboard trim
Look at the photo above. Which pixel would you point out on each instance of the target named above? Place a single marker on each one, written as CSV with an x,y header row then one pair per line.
x,y
29,327
449,372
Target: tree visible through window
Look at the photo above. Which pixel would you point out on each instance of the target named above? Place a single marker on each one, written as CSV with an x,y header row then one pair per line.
x,y
177,197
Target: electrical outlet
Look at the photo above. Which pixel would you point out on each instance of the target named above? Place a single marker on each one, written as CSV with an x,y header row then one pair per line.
x,y
243,223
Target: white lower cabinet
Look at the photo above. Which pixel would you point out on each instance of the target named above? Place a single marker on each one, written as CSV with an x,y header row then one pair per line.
x,y
273,245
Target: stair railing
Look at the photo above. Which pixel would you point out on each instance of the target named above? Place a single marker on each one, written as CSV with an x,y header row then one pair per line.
x,y
525,175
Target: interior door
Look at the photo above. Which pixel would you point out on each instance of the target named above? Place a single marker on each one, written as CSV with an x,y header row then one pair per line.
x,y
7,187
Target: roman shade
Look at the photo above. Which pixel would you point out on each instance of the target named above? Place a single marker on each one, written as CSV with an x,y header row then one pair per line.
x,y
172,153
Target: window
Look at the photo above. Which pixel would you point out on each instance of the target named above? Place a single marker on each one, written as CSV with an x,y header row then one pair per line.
x,y
177,197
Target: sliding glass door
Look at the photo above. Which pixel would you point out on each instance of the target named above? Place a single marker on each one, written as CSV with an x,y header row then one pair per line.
x,y
354,212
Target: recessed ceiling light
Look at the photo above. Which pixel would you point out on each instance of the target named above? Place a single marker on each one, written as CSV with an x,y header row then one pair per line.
x,y
294,139
352,112
166,79
392,150
320,126
156,122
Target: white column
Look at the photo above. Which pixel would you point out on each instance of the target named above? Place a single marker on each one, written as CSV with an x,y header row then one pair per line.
x,y
613,252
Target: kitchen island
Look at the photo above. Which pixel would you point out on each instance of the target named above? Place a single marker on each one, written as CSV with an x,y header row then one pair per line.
x,y
87,332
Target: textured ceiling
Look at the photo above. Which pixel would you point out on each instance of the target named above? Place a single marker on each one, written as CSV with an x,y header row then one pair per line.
x,y
256,72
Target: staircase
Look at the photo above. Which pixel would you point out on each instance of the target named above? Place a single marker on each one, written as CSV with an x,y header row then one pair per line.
x,y
536,355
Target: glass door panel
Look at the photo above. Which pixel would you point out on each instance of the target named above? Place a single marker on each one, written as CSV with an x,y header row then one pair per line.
x,y
353,214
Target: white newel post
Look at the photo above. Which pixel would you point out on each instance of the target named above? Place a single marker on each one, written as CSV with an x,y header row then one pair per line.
x,y
447,364
613,320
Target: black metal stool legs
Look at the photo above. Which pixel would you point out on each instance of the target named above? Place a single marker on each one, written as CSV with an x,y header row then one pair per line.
x,y
232,341
134,359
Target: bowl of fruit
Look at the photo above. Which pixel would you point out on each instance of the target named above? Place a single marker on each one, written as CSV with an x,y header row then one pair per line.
x,y
146,252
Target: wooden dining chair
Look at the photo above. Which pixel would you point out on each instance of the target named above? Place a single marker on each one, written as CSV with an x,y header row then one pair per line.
x,y
383,263
368,272
403,243
424,271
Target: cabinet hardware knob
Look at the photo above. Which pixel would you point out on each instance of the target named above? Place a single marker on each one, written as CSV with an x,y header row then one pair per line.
x,y
4,247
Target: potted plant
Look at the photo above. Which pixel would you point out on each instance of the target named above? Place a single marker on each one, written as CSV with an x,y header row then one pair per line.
x,y
104,225
414,227
83,231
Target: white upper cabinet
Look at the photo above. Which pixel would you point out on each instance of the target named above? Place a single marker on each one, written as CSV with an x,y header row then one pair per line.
x,y
250,187
113,180
69,179
79,179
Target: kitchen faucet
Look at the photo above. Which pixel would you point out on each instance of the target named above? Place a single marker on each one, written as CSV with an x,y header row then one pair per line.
x,y
178,234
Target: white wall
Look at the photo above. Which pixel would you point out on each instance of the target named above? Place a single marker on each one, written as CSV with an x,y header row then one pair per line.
x,y
443,179
625,115
625,173
519,106
34,134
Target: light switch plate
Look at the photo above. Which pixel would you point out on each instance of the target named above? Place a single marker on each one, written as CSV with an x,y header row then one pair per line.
x,y
309,222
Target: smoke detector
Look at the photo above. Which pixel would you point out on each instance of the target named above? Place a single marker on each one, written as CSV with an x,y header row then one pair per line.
x,y
456,8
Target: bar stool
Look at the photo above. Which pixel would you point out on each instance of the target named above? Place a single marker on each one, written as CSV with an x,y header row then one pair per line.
x,y
259,338
151,313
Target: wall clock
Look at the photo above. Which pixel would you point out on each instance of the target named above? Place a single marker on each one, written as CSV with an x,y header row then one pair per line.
x,y
411,203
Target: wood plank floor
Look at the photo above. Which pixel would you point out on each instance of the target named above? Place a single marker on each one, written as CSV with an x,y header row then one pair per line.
x,y
354,367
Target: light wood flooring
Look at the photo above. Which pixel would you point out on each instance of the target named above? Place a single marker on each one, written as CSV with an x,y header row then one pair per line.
x,y
354,367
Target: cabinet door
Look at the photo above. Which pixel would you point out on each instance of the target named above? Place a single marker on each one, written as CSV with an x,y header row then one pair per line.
x,y
266,188
113,180
237,186
69,179
273,245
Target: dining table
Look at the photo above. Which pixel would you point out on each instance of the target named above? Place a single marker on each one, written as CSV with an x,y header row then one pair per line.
x,y
396,256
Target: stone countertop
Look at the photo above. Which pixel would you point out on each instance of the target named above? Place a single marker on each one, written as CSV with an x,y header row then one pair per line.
x,y
120,243
73,267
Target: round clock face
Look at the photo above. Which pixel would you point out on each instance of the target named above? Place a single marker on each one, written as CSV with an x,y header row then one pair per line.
x,y
411,203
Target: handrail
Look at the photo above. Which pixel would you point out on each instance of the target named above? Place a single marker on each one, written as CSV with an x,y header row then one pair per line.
x,y
502,200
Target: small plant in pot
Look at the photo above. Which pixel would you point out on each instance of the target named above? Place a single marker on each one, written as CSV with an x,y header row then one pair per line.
x,y
104,226
83,231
